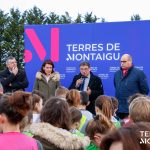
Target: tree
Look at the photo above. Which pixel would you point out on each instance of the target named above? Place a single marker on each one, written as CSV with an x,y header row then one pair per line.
x,y
13,36
78,19
52,18
12,29
88,18
3,26
103,19
135,17
34,16
65,18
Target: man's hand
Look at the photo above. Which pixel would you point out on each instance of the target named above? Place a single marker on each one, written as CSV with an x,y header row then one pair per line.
x,y
79,82
15,70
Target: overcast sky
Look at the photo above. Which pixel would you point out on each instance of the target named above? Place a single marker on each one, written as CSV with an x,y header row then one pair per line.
x,y
111,10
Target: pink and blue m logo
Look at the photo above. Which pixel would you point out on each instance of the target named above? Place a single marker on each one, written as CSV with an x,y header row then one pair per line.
x,y
39,48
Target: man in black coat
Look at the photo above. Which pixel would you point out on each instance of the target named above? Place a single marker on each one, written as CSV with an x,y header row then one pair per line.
x,y
87,81
12,78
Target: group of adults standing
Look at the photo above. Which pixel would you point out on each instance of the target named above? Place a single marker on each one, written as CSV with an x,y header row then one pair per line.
x,y
128,80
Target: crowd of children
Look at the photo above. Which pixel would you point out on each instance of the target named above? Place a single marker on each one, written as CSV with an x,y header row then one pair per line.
x,y
28,121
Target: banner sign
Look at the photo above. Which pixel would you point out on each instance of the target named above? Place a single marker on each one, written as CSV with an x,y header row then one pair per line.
x,y
101,44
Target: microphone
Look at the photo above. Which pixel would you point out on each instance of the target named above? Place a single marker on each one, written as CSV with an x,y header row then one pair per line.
x,y
82,83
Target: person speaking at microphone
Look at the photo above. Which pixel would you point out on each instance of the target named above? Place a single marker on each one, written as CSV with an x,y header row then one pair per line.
x,y
81,83
87,81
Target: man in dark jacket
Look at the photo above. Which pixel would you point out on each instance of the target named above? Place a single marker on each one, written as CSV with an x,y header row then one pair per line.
x,y
12,78
128,81
87,81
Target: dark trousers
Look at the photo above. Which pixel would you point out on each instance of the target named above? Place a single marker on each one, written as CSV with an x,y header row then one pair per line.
x,y
91,107
122,115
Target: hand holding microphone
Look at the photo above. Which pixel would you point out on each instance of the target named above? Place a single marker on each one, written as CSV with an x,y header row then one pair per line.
x,y
80,81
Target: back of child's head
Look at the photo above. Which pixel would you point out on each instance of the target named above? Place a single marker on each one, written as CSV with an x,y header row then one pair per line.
x,y
134,96
104,104
61,91
100,124
84,98
76,115
139,109
133,137
39,93
15,106
56,112
73,98
35,99
114,103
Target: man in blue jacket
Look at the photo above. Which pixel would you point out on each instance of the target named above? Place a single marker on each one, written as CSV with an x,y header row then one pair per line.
x,y
128,81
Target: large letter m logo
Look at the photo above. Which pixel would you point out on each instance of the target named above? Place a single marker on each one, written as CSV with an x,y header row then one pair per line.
x,y
39,48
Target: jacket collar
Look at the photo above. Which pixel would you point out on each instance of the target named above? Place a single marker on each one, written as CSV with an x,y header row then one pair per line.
x,y
59,137
128,71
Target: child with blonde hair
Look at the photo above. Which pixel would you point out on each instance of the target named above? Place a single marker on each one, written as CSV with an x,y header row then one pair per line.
x,y
73,98
139,109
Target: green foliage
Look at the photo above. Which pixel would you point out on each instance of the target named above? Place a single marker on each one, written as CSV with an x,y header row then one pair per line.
x,y
3,27
13,36
52,18
103,20
135,17
89,18
65,19
78,19
34,16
